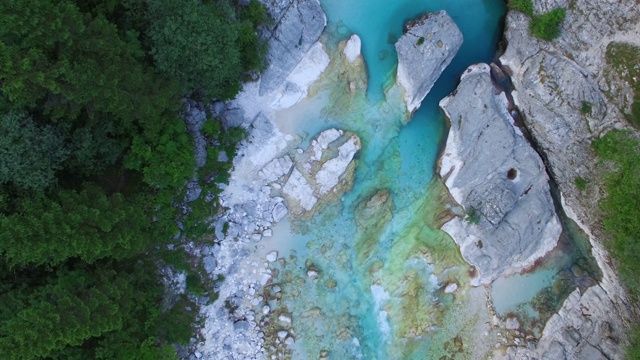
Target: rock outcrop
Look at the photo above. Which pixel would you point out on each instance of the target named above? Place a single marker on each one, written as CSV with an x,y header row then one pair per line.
x,y
297,25
493,172
552,81
322,173
426,48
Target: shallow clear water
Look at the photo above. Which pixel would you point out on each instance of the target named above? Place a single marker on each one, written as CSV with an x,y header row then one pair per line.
x,y
379,290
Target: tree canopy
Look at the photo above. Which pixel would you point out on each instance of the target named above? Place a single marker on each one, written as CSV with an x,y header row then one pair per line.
x,y
94,155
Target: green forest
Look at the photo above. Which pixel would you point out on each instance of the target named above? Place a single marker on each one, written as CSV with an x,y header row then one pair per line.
x,y
94,157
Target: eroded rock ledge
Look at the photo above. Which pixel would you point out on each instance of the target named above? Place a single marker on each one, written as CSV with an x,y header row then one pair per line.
x,y
426,48
499,179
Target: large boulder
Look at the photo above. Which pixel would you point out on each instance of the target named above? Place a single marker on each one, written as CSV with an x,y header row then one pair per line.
x,y
297,25
426,48
493,172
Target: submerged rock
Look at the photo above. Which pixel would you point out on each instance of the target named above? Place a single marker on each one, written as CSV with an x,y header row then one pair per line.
x,y
426,48
491,170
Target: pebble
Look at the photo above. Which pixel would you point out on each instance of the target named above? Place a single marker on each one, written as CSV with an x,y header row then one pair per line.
x,y
272,256
282,334
266,309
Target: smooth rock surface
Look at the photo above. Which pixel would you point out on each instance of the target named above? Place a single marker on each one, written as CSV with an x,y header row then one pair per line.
x,y
296,27
426,48
492,171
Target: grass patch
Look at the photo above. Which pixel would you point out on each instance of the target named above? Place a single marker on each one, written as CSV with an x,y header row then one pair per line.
x,y
547,26
581,183
524,6
625,60
621,213
621,207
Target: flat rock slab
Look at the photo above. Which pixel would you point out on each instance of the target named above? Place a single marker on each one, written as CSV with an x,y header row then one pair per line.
x,y
322,173
426,48
494,173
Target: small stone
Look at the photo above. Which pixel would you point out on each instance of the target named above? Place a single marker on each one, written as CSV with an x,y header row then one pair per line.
x,y
289,341
451,288
266,309
272,256
241,325
279,212
256,237
198,354
284,320
512,323
283,334
267,233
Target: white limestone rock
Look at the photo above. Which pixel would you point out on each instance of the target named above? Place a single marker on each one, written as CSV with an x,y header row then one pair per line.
x,y
426,48
324,172
352,49
492,171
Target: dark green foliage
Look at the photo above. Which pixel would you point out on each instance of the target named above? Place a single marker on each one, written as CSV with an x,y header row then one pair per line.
x,y
204,45
547,26
194,284
586,107
625,60
30,154
581,183
524,6
420,41
93,158
621,207
633,352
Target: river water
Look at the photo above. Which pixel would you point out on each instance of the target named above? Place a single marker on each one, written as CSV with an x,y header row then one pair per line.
x,y
379,292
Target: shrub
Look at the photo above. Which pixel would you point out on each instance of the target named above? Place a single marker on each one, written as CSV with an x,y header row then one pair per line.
x,y
581,183
586,107
547,26
472,216
524,6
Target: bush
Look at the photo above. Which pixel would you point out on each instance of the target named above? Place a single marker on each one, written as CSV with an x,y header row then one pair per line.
x,y
524,6
547,26
586,107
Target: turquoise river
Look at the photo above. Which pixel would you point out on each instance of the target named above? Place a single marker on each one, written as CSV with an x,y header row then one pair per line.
x,y
380,290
